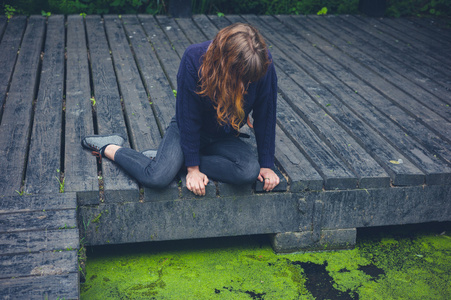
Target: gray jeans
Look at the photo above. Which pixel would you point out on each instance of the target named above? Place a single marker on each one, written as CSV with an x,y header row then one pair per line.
x,y
226,159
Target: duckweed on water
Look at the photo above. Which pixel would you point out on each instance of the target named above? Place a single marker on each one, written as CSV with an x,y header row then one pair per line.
x,y
407,262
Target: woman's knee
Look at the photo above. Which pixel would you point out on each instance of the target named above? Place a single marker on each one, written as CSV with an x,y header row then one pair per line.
x,y
155,182
249,171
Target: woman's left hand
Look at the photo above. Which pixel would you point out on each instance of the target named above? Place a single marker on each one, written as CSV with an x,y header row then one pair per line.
x,y
270,179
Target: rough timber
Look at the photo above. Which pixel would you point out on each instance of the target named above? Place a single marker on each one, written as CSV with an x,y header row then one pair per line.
x,y
363,137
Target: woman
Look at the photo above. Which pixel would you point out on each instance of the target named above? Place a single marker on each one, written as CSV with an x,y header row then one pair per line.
x,y
219,83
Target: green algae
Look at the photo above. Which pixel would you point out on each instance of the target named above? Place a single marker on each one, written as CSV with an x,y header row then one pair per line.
x,y
406,263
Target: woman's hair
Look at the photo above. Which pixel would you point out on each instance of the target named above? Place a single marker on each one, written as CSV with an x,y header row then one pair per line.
x,y
236,57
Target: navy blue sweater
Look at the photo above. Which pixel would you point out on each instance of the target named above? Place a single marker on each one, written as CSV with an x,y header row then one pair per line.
x,y
196,114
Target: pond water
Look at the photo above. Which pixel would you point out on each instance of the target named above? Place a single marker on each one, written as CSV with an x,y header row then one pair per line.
x,y
402,262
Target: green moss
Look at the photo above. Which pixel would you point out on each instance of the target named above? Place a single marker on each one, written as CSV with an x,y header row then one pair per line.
x,y
97,218
394,266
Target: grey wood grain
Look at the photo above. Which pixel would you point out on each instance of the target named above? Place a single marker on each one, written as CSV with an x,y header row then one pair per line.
x,y
44,159
17,114
79,165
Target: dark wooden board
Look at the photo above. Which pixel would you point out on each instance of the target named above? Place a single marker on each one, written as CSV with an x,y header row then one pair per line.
x,y
118,186
374,98
437,34
400,38
333,170
15,204
192,218
411,127
137,105
168,57
439,46
152,72
389,90
391,70
301,174
38,220
79,165
431,27
37,241
403,47
38,264
10,44
220,22
426,76
44,160
206,26
380,207
315,63
192,32
65,286
3,21
172,30
17,115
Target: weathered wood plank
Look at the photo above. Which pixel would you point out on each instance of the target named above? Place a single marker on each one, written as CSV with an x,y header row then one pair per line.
x,y
335,173
3,21
432,79
345,105
166,54
38,264
177,38
37,241
153,74
110,119
392,71
80,166
206,26
38,220
220,22
302,176
44,160
137,105
16,120
10,46
431,27
42,287
439,46
380,207
193,34
403,47
375,79
375,97
16,204
191,218
400,39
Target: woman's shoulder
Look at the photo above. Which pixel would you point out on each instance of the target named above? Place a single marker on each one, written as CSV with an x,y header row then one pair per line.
x,y
195,52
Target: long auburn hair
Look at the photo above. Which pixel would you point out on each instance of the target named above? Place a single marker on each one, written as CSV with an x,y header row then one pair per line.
x,y
236,57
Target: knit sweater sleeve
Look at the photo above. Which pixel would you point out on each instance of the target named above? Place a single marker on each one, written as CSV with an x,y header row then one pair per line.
x,y
188,110
264,115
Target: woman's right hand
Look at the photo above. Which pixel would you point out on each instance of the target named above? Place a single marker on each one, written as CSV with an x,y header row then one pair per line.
x,y
196,181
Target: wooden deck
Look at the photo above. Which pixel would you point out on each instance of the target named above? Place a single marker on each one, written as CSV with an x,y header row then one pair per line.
x,y
363,136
